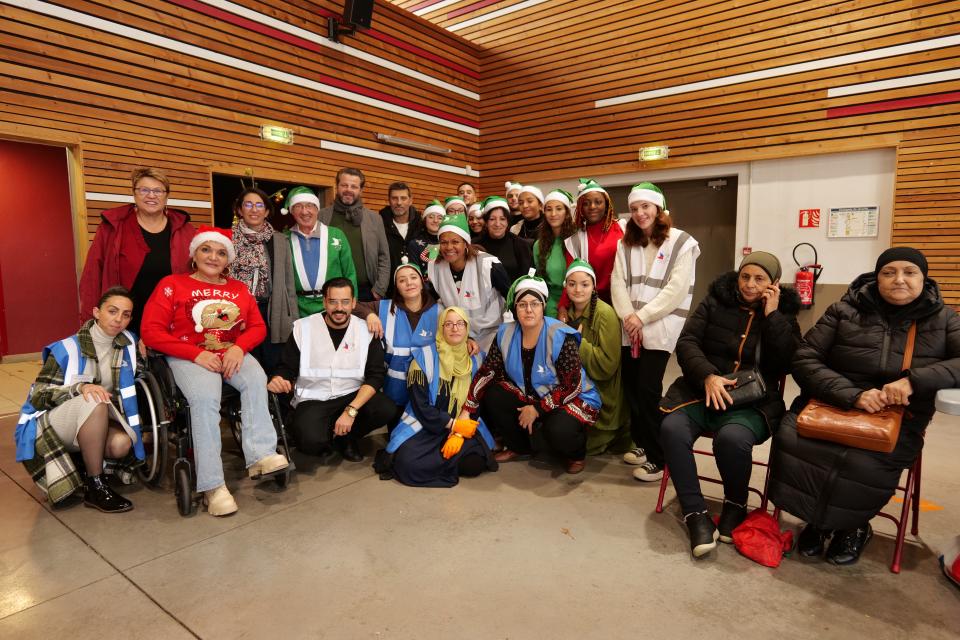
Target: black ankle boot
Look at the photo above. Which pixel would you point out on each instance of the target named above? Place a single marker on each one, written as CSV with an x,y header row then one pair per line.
x,y
846,546
811,541
100,496
730,518
703,533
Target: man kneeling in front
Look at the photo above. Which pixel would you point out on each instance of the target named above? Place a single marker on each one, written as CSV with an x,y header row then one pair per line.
x,y
334,366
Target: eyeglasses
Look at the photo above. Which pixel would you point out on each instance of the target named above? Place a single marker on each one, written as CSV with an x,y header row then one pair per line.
x,y
454,324
529,306
253,205
143,191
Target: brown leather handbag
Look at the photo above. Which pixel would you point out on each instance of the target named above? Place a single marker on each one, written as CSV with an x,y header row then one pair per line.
x,y
854,427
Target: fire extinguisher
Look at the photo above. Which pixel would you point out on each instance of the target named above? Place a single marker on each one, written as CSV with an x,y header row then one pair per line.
x,y
807,276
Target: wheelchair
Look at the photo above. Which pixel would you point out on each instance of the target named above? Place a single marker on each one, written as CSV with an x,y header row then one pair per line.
x,y
165,424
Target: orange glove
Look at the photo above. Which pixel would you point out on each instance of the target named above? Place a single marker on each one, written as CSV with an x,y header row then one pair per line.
x,y
465,428
452,446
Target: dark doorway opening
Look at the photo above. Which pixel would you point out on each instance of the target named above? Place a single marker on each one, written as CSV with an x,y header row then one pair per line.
x,y
226,188
705,208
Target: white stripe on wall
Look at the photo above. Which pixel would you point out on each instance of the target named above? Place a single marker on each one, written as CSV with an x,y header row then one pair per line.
x,y
435,7
118,197
894,83
326,42
395,157
230,61
494,14
774,72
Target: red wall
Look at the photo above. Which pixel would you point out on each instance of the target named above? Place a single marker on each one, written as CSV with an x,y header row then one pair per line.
x,y
37,261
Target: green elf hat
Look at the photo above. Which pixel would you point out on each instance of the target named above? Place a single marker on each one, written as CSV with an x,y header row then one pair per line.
x,y
492,202
587,185
453,200
405,263
561,196
476,209
297,195
512,186
583,266
528,283
456,223
434,208
535,191
648,192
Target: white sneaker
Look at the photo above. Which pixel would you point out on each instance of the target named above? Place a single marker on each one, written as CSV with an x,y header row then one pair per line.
x,y
635,456
267,465
219,501
648,472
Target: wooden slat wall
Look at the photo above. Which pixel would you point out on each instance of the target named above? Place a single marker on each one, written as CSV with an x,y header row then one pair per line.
x,y
131,104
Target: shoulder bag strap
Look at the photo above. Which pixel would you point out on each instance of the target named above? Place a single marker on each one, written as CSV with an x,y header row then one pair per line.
x,y
908,352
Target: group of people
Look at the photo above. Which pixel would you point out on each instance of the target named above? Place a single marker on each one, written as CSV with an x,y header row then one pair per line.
x,y
483,332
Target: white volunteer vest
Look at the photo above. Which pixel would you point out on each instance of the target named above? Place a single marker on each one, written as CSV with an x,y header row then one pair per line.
x,y
325,372
662,334
477,295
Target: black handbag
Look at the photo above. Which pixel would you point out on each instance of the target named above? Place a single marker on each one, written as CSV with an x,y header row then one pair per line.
x,y
750,387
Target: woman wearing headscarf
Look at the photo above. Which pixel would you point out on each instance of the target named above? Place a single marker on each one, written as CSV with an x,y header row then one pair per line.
x,y
550,258
532,389
744,317
432,446
853,359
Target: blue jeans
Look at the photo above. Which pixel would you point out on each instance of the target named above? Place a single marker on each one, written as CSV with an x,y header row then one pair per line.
x,y
202,390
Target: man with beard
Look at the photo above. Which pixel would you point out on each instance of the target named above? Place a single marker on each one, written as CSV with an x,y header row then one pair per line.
x,y
333,366
401,222
365,233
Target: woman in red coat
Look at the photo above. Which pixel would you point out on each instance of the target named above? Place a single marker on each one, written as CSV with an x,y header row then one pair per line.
x,y
137,245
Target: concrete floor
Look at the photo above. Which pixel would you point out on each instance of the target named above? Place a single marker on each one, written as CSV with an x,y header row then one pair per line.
x,y
527,552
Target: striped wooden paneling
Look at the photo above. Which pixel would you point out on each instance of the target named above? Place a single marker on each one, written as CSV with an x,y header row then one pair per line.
x,y
144,97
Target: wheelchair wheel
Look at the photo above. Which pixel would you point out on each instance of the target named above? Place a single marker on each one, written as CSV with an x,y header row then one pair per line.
x,y
183,488
153,423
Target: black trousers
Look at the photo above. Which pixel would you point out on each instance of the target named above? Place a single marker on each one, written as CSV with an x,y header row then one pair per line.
x,y
313,420
643,387
556,432
732,446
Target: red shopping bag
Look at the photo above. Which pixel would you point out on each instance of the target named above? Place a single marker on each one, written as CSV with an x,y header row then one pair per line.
x,y
760,539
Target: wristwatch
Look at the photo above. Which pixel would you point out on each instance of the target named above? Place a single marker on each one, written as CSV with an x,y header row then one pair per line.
x,y
351,411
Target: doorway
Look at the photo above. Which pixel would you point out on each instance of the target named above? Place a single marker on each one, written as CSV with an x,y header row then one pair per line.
x,y
39,302
226,188
706,208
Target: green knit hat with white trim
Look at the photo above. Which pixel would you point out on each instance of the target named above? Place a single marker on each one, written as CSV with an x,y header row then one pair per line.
x,y
561,196
512,186
529,188
476,209
586,185
297,195
453,200
648,192
581,266
455,223
492,202
531,283
434,207
405,262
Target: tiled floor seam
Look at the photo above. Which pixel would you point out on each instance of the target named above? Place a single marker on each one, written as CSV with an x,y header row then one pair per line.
x,y
99,555
276,511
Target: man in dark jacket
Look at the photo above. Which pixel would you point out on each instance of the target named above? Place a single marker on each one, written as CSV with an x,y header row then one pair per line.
x,y
364,231
401,223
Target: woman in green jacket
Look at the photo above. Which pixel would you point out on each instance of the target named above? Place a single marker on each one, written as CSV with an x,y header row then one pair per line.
x,y
600,350
549,256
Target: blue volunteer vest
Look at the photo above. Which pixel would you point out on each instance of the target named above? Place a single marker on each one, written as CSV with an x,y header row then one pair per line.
x,y
400,339
72,362
429,361
544,374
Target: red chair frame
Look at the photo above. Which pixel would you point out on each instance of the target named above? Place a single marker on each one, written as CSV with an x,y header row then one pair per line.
x,y
911,502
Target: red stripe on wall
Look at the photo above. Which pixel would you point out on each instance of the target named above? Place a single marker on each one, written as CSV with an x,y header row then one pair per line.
x,y
296,41
423,53
893,105
470,8
422,5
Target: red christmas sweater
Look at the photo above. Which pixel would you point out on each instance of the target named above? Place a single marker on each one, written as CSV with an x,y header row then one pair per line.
x,y
186,316
602,249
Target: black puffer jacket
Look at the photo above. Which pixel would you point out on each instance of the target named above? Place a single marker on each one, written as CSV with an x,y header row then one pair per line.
x,y
721,336
854,347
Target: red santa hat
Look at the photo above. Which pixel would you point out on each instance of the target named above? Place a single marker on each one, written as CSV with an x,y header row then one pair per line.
x,y
214,234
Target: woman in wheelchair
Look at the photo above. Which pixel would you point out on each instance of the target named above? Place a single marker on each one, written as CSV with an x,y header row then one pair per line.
x,y
746,322
206,323
84,401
